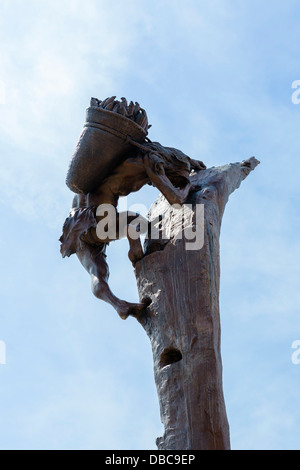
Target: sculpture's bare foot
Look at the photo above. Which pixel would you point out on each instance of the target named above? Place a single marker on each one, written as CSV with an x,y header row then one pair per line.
x,y
135,309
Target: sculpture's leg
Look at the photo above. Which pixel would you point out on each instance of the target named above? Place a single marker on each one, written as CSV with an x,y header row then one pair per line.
x,y
94,261
136,251
135,225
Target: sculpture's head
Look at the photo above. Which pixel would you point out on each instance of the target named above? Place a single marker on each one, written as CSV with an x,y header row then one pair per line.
x,y
177,165
78,222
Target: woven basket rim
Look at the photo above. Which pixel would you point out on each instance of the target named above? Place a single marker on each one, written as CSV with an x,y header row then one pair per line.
x,y
118,116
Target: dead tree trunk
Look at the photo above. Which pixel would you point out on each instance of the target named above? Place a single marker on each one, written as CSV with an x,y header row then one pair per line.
x,y
183,320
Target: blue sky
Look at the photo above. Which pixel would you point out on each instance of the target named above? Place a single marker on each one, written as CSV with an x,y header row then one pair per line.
x,y
216,81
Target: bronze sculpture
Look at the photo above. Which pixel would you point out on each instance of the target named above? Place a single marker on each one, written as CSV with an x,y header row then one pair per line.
x,y
178,288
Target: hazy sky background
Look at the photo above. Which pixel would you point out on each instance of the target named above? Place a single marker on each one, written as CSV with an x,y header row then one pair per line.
x,y
216,81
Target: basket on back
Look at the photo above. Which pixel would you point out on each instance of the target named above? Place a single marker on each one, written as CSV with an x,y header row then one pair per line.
x,y
105,141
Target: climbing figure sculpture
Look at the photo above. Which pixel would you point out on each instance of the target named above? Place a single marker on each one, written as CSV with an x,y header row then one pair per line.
x,y
114,158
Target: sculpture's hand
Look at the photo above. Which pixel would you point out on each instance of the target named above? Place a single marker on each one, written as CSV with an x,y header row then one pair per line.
x,y
197,165
184,192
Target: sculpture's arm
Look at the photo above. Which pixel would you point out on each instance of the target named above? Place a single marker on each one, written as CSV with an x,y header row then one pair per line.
x,y
159,179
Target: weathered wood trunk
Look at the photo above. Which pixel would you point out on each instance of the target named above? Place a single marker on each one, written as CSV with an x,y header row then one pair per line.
x,y
183,322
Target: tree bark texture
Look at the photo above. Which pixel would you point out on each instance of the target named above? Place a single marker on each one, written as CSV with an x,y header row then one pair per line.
x,y
183,320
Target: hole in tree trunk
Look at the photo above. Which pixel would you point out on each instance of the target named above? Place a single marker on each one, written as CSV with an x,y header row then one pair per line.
x,y
169,356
